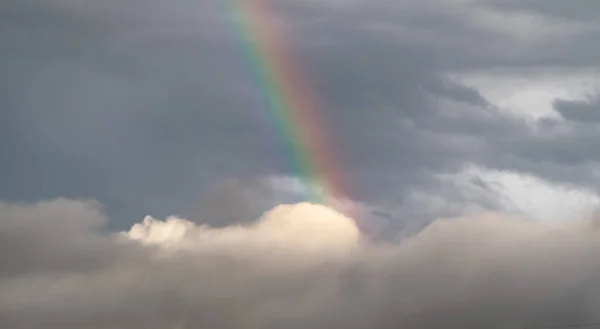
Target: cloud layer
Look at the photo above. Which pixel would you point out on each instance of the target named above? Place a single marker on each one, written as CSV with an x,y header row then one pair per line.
x,y
298,266
438,109
149,107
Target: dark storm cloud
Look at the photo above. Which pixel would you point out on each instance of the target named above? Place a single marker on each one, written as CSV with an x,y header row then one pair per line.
x,y
103,98
148,106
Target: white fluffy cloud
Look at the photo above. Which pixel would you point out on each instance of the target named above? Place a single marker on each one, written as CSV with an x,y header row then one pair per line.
x,y
298,266
304,228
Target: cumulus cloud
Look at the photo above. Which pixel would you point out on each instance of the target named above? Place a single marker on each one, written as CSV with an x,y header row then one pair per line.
x,y
304,227
297,266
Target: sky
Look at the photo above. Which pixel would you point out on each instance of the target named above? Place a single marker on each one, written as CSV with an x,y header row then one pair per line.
x,y
142,184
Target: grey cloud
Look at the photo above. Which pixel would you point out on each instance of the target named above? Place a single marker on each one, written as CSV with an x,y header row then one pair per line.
x,y
52,236
146,106
586,111
482,271
240,201
585,10
557,150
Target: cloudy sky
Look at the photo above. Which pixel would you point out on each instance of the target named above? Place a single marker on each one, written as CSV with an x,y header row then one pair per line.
x,y
119,112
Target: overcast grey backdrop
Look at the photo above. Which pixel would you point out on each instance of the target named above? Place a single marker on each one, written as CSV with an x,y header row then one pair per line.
x,y
148,107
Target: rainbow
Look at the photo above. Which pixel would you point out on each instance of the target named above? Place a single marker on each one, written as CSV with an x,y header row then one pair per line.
x,y
292,107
